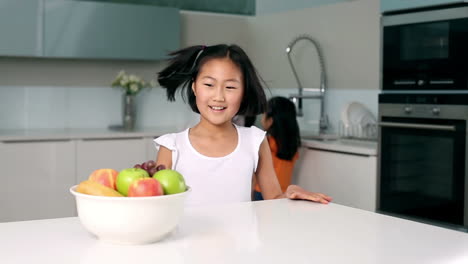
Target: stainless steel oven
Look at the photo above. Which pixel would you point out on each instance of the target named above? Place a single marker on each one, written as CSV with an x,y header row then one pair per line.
x,y
425,50
423,163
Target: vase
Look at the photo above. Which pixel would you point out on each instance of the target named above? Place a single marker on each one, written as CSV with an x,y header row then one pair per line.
x,y
129,111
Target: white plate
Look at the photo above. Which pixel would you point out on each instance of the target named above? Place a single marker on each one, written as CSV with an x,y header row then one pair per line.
x,y
356,113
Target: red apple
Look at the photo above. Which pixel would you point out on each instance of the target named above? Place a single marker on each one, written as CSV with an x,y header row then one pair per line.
x,y
145,187
127,176
106,177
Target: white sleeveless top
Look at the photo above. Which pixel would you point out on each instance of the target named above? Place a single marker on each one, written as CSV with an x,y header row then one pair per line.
x,y
216,180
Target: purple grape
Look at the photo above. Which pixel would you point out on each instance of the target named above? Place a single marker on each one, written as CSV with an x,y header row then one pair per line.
x,y
144,166
152,171
160,167
138,166
150,164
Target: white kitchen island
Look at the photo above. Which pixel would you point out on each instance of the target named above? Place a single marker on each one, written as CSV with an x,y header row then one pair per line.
x,y
275,231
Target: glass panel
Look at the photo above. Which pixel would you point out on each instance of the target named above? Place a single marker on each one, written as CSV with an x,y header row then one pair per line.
x,y
422,173
425,41
415,166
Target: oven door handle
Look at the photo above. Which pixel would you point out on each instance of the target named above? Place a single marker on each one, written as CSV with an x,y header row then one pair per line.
x,y
417,126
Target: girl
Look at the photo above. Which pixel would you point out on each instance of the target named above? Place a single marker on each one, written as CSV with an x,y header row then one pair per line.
x,y
217,158
284,139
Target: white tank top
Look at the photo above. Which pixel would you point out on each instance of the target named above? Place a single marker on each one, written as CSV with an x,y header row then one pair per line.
x,y
216,180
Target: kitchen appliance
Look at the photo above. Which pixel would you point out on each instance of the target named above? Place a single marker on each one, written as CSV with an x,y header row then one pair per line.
x,y
423,164
425,50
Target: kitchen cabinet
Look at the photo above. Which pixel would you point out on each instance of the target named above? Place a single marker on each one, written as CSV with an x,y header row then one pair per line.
x,y
238,7
39,166
115,153
351,179
20,28
102,30
37,174
397,5
151,151
36,177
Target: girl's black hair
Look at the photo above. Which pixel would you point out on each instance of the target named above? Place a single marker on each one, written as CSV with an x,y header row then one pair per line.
x,y
284,128
186,63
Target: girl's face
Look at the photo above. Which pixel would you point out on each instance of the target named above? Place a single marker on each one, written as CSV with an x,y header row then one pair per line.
x,y
218,90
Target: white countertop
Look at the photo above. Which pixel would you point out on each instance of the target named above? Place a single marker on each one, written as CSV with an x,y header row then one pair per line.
x,y
275,231
351,146
359,147
81,133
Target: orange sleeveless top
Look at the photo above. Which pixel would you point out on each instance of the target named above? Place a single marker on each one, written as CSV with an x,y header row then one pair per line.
x,y
283,168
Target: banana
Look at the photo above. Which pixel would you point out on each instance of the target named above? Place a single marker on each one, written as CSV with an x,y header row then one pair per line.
x,y
94,188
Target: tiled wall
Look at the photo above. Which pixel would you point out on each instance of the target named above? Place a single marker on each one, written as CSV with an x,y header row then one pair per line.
x,y
100,107
335,101
84,107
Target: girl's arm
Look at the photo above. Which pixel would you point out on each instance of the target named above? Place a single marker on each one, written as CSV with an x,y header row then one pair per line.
x,y
164,157
270,186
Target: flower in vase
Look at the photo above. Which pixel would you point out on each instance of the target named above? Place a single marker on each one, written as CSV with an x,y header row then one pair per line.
x,y
131,84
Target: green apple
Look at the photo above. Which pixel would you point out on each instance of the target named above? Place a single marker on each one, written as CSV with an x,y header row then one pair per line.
x,y
127,176
171,181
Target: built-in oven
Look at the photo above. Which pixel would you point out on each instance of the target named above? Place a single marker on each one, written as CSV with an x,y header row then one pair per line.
x,y
423,163
425,50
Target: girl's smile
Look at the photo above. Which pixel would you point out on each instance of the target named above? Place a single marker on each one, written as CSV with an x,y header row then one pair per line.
x,y
217,108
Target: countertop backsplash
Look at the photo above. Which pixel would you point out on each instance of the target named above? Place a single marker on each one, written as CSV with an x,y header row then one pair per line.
x,y
335,101
86,107
38,107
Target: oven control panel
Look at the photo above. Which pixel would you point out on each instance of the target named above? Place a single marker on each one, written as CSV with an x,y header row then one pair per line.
x,y
421,109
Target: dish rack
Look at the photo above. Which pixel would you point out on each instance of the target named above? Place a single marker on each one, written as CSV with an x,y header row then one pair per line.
x,y
357,122
357,131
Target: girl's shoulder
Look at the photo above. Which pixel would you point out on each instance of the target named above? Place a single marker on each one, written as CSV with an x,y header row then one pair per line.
x,y
252,131
170,140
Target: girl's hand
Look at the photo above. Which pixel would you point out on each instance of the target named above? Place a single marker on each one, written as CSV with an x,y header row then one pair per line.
x,y
295,192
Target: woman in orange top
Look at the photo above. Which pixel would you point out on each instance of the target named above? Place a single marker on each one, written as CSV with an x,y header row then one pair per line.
x,y
284,139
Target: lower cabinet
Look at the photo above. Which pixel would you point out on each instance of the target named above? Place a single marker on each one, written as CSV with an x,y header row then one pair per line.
x,y
151,152
36,177
350,179
118,154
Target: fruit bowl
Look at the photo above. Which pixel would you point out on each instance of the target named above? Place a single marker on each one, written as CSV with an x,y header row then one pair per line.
x,y
129,220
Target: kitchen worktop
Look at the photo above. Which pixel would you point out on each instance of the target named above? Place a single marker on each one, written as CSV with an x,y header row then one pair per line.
x,y
81,133
351,146
342,145
274,231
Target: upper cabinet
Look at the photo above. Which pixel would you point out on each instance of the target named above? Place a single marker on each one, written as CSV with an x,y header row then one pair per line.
x,y
98,30
237,7
402,5
87,29
20,28
264,7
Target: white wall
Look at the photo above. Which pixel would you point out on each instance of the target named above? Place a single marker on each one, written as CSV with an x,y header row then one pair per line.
x,y
199,28
348,33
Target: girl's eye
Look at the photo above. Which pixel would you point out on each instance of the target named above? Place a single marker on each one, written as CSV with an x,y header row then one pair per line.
x,y
230,87
208,84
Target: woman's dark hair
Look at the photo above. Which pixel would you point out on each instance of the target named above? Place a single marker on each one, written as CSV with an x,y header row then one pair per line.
x,y
186,63
284,128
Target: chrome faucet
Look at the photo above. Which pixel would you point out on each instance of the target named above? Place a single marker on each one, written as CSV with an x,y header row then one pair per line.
x,y
323,122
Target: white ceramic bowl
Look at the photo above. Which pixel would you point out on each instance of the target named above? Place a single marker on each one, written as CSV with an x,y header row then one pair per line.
x,y
129,220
